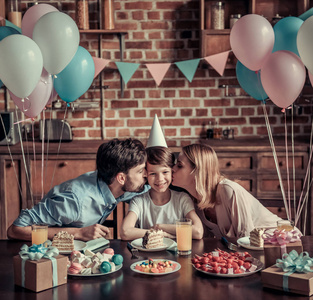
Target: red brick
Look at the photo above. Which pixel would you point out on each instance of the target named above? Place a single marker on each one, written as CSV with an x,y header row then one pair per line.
x,y
186,112
170,132
109,113
140,113
114,123
78,133
231,111
154,112
110,133
170,112
185,131
185,93
138,123
123,104
186,103
94,133
153,15
155,103
155,94
123,132
124,113
82,123
139,5
201,112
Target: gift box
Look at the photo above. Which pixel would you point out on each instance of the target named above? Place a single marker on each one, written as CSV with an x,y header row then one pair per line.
x,y
272,252
299,283
39,271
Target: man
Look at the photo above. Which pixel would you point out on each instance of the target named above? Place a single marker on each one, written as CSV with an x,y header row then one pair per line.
x,y
80,205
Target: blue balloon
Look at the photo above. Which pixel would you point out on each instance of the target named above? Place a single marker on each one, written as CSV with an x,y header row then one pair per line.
x,y
286,31
1,84
6,31
76,77
250,81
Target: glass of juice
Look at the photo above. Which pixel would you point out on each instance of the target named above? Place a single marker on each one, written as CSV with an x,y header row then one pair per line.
x,y
285,224
184,236
39,233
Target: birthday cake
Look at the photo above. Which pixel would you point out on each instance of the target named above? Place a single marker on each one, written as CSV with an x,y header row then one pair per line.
x,y
64,241
256,238
153,239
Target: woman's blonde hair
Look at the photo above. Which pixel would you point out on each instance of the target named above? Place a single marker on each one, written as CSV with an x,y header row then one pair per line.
x,y
204,162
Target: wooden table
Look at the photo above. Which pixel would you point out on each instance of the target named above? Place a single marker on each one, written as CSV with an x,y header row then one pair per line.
x,y
187,283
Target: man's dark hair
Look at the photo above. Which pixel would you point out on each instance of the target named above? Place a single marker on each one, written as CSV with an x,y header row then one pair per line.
x,y
119,156
160,156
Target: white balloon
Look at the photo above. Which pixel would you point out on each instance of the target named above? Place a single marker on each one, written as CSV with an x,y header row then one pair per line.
x,y
305,43
57,36
21,64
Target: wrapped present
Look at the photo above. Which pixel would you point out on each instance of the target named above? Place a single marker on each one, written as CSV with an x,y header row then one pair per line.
x,y
39,268
293,273
278,242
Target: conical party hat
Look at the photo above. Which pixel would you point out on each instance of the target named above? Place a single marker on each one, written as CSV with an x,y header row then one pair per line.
x,y
156,137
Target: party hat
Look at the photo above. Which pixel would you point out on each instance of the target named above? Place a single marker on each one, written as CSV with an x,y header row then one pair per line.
x,y
156,137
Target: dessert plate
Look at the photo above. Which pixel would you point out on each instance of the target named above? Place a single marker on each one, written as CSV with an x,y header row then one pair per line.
x,y
245,242
117,268
138,244
253,260
133,267
78,246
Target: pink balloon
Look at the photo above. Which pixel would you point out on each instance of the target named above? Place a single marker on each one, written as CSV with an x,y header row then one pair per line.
x,y
33,105
252,40
311,78
283,76
32,15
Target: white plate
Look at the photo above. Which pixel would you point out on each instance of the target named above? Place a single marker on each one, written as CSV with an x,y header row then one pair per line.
x,y
253,260
245,242
132,267
138,244
78,246
99,274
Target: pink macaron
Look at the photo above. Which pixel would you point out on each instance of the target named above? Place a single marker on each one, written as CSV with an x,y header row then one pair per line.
x,y
74,253
74,268
109,251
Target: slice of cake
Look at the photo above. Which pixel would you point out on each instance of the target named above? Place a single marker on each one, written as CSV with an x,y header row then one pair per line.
x,y
153,239
64,241
256,238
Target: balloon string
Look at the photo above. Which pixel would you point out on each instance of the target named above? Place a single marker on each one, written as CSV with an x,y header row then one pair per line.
x,y
59,146
275,156
287,168
34,151
42,151
293,161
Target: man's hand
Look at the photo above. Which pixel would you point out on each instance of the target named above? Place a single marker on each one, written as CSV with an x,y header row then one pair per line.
x,y
93,232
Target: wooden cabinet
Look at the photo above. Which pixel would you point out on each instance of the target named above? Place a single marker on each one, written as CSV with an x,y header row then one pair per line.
x,y
213,41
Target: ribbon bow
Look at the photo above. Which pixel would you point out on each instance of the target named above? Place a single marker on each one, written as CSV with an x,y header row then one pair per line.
x,y
282,238
293,262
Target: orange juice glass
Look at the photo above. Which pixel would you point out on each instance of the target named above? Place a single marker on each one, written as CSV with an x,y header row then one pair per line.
x,y
39,233
184,236
285,224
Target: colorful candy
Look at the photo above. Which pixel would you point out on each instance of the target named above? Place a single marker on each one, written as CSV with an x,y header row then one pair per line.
x,y
157,266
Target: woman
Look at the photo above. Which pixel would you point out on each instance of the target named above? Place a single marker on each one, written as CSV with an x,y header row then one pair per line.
x,y
224,207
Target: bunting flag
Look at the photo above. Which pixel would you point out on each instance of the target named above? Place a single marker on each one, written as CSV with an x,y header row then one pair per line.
x,y
218,61
127,70
188,67
158,71
100,64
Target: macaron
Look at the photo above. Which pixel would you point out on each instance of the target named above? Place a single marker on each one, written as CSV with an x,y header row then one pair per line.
x,y
105,267
117,259
74,268
109,251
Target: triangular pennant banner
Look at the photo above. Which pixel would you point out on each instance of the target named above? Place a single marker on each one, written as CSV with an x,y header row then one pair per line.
x,y
188,67
127,70
8,23
158,71
100,64
218,61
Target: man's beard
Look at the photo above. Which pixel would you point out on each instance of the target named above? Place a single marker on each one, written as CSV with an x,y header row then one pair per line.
x,y
130,187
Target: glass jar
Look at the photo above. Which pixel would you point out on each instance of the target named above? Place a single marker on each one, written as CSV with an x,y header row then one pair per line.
x,y
218,15
14,13
233,19
82,14
108,14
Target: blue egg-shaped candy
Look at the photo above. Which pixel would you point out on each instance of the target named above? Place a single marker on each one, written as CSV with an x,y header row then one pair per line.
x,y
105,267
117,259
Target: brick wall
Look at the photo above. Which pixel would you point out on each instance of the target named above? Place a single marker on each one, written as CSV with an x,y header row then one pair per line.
x,y
164,32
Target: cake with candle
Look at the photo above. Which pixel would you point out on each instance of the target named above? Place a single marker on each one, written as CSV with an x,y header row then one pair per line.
x,y
153,239
256,238
64,241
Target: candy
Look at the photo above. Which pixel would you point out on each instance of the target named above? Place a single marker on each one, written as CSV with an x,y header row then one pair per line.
x,y
117,259
109,251
105,267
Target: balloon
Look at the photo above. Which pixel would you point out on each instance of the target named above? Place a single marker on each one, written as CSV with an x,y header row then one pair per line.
x,y
20,64
286,31
77,77
311,78
283,76
32,15
6,31
57,36
305,43
37,100
250,81
252,40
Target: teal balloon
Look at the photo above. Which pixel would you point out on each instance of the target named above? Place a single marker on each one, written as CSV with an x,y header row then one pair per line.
x,y
76,77
1,84
286,31
6,31
250,81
